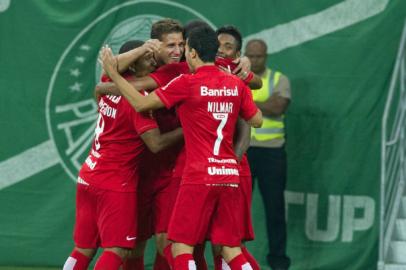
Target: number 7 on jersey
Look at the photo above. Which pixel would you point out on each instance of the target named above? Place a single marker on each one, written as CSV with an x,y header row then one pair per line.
x,y
223,117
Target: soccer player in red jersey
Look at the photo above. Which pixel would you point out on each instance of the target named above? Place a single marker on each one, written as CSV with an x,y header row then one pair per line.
x,y
165,74
209,103
230,42
107,181
157,195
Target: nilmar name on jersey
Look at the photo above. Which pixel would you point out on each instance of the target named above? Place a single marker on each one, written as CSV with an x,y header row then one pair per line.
x,y
219,107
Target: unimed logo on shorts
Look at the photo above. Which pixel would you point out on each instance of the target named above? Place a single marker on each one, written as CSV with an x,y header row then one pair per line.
x,y
71,110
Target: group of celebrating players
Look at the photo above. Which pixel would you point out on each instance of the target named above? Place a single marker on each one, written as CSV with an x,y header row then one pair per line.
x,y
168,157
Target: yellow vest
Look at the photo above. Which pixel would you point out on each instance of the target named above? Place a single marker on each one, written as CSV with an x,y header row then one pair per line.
x,y
272,127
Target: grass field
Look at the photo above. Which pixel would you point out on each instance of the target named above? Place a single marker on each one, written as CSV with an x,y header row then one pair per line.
x,y
26,268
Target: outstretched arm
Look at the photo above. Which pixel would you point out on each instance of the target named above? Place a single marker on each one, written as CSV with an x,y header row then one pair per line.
x,y
110,88
139,102
155,141
124,60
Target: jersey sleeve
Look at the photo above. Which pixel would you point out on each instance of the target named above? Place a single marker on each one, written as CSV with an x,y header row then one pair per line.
x,y
142,122
174,92
248,107
166,73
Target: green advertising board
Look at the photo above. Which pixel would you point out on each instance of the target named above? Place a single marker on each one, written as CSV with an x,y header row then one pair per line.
x,y
338,55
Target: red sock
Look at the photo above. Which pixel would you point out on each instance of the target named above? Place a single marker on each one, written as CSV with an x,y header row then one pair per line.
x,y
250,258
168,255
160,263
218,262
136,263
108,261
184,262
77,261
198,255
239,263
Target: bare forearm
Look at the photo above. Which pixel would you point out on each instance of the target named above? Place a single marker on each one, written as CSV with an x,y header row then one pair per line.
x,y
267,110
110,88
274,107
242,140
128,91
124,60
155,141
169,138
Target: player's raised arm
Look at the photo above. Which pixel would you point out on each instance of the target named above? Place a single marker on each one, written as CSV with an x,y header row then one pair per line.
x,y
110,88
139,102
124,60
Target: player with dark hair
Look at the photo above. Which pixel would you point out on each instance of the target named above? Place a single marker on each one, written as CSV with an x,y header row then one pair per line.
x,y
230,42
232,31
209,189
157,196
161,77
229,49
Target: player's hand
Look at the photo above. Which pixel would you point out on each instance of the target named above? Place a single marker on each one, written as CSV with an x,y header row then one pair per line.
x,y
243,67
108,61
152,46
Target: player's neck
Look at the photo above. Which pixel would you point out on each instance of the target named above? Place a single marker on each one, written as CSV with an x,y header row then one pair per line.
x,y
201,64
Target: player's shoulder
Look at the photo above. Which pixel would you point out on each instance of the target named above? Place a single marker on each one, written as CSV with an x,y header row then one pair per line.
x,y
182,67
181,79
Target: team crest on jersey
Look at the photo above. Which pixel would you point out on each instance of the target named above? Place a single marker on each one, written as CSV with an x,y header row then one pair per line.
x,y
71,111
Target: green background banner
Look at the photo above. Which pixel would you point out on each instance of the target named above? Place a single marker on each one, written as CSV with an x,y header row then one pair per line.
x,y
338,55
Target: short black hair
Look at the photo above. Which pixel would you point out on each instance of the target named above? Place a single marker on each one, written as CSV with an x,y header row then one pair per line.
x,y
129,45
165,26
192,25
204,40
233,31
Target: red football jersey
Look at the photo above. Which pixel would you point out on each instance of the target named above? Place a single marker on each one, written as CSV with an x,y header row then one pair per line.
x,y
117,150
209,103
167,119
164,161
166,73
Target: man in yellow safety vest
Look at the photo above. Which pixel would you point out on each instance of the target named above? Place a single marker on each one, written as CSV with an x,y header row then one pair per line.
x,y
267,156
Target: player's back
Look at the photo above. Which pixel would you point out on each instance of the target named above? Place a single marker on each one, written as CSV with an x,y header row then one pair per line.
x,y
209,118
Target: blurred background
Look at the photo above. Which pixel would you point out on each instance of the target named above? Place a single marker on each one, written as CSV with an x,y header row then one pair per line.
x,y
344,125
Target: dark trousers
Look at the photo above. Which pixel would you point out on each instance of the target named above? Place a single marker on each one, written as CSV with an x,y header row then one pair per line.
x,y
268,167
